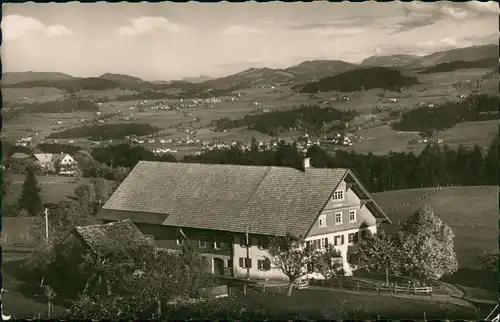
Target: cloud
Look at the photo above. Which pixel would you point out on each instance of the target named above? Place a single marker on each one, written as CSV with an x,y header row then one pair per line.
x,y
358,21
419,14
441,44
57,30
145,25
240,30
17,26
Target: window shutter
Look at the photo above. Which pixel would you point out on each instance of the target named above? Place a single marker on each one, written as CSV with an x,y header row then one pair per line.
x,y
326,242
342,240
335,241
259,264
356,237
267,264
241,262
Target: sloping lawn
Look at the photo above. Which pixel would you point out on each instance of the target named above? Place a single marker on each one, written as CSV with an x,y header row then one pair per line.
x,y
471,212
318,304
21,300
54,189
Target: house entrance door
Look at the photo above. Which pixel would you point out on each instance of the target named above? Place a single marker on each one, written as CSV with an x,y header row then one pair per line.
x,y
218,266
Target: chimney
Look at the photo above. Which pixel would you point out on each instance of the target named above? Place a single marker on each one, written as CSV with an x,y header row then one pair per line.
x,y
307,163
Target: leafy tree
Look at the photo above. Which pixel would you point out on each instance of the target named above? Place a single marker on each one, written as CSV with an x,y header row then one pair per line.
x,y
489,260
376,253
30,194
6,183
292,256
139,281
328,262
426,246
78,174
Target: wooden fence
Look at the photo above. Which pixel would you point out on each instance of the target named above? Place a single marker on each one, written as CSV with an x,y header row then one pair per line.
x,y
18,247
385,288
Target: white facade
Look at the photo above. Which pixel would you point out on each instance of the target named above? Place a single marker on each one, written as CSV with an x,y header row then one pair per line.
x,y
344,215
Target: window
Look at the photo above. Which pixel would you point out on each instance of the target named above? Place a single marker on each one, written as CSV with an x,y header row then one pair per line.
x,y
180,240
338,240
350,238
352,215
202,242
338,218
217,243
324,242
263,243
245,262
322,221
229,263
264,264
338,195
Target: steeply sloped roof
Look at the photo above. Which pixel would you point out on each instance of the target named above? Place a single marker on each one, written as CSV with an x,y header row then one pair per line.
x,y
43,157
19,155
270,200
102,239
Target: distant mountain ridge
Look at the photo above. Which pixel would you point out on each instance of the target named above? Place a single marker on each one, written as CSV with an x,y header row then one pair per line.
x,y
121,78
197,79
471,53
305,72
396,61
18,77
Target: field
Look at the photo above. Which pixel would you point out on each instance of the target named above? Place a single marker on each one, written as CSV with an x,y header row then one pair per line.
x,y
20,300
470,133
31,95
339,304
378,139
54,189
471,212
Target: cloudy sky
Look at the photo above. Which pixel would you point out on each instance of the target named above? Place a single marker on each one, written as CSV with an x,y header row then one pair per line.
x,y
174,40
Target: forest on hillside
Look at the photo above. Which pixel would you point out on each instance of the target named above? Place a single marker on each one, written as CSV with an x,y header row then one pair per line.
x,y
480,107
106,131
363,78
67,105
311,119
460,64
436,165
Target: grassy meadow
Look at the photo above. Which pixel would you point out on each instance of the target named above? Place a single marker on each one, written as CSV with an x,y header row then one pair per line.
x,y
471,212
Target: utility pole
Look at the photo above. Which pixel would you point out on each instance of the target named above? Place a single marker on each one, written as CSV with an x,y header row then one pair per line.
x,y
248,253
47,225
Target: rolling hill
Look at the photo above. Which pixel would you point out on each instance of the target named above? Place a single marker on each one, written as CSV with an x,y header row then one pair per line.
x,y
395,61
316,69
197,79
304,72
460,64
19,77
464,54
367,78
120,78
471,212
472,53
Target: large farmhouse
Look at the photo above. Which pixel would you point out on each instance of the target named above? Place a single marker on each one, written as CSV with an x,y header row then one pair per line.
x,y
213,208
